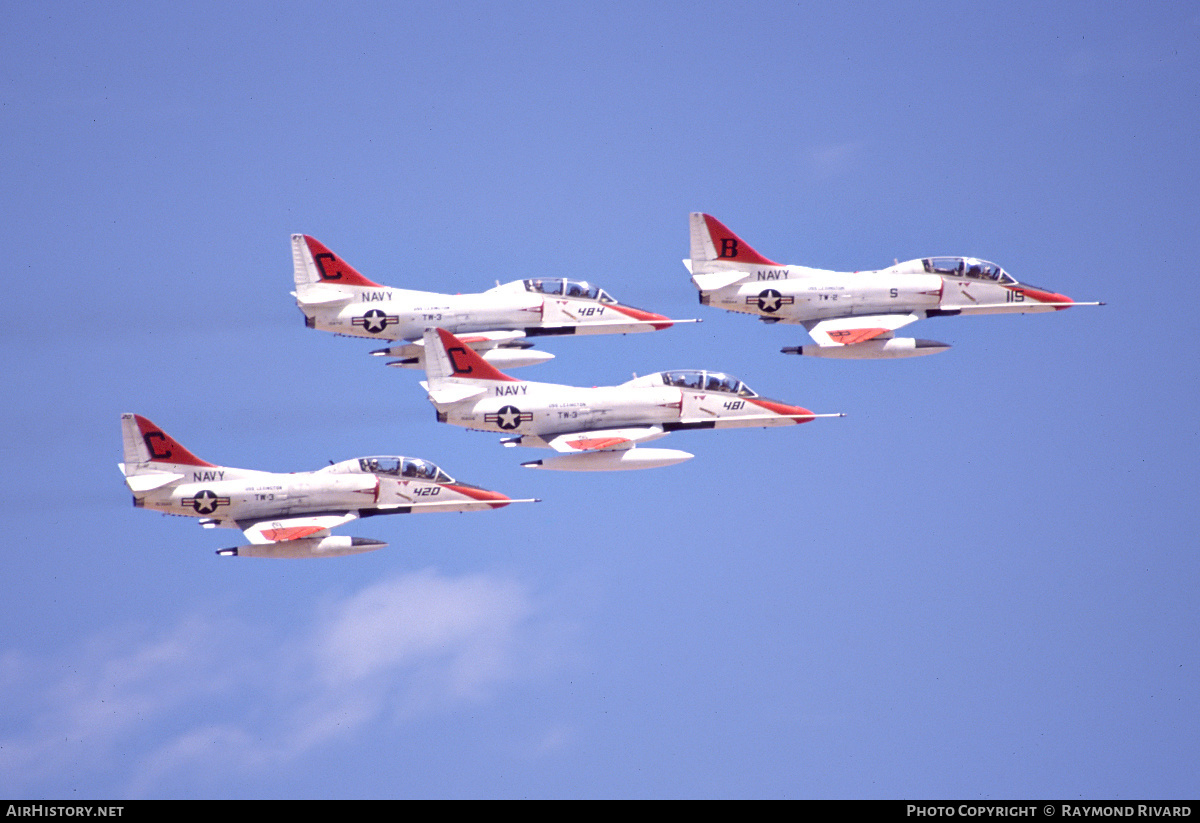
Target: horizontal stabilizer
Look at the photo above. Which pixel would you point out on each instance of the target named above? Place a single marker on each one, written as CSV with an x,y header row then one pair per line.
x,y
320,295
447,394
712,281
150,480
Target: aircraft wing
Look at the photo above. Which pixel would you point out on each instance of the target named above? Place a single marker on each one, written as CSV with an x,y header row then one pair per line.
x,y
279,529
478,340
858,328
595,440
451,505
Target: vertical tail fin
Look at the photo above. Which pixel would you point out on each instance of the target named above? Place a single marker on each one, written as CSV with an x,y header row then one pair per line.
x,y
716,248
312,263
449,359
150,449
455,372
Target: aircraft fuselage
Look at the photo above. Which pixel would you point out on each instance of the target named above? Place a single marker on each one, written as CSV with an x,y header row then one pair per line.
x,y
227,494
404,314
795,294
545,410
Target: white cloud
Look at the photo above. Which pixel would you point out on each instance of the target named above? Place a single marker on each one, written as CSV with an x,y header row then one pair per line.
x,y
218,691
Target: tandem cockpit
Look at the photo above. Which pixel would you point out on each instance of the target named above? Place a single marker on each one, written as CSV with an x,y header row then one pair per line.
x,y
412,468
969,267
697,380
561,287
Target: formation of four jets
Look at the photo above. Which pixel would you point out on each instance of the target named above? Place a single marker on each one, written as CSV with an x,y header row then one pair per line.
x,y
464,341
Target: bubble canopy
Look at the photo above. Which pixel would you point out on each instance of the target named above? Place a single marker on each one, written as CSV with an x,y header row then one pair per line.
x,y
409,467
706,381
970,267
558,286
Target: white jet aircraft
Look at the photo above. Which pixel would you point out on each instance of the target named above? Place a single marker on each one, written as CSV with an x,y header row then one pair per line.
x,y
496,323
854,315
593,429
288,515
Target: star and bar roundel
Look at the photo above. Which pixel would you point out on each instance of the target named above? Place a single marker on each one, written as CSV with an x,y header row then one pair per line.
x,y
509,417
769,300
205,501
375,321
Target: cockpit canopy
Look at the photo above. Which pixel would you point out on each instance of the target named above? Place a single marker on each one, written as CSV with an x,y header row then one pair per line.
x,y
706,381
410,467
967,267
562,287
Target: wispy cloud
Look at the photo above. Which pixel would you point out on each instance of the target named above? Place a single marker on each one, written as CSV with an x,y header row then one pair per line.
x,y
836,158
194,695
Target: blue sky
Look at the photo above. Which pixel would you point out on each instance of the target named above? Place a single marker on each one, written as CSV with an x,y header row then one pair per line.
x,y
981,583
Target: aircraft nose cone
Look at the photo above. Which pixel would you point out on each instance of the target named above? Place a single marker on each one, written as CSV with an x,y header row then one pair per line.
x,y
494,499
659,321
798,413
1062,298
1043,296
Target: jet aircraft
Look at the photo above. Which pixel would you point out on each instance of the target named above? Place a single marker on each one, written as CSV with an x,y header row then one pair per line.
x,y
593,429
288,515
497,323
854,315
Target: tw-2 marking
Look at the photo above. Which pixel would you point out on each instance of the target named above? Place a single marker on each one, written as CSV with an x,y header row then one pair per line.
x,y
854,315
